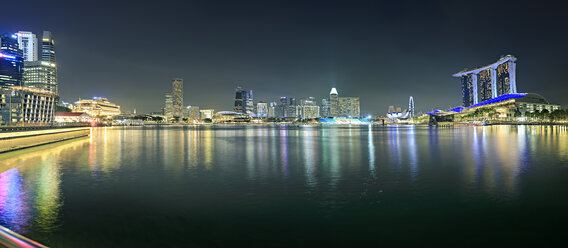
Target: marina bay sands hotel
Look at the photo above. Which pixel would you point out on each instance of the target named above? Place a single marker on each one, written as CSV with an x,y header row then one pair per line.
x,y
488,82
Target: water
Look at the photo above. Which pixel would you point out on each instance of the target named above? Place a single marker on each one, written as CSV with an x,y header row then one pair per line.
x,y
291,187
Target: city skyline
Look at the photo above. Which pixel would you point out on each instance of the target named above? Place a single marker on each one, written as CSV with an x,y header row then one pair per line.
x,y
371,61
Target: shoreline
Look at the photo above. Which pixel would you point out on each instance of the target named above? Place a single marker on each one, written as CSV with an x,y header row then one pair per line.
x,y
12,141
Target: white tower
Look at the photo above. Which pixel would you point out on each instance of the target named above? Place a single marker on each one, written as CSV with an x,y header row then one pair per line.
x,y
27,41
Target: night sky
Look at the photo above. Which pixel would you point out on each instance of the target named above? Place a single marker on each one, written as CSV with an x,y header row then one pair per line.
x,y
381,51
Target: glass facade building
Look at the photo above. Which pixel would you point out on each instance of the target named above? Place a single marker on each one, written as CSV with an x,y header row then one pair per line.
x,y
11,61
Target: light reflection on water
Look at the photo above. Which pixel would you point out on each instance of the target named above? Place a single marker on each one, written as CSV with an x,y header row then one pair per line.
x,y
330,171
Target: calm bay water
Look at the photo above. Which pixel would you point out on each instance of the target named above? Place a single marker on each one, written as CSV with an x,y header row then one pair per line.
x,y
283,186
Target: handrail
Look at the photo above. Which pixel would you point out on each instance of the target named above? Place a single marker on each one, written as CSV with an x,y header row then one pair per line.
x,y
10,239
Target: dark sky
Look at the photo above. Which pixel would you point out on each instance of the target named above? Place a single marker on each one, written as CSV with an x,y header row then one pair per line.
x,y
381,51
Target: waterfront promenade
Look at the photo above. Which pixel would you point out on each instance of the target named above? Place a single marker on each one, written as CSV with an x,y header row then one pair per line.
x,y
15,140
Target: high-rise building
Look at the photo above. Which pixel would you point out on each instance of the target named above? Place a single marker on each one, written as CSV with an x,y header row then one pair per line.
x,y
272,107
250,109
291,108
488,82
343,106
27,41
169,105
40,74
244,101
333,103
262,109
306,112
177,97
282,107
191,112
349,107
48,47
325,108
11,61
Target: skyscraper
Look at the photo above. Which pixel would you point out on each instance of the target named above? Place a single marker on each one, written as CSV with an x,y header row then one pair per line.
x,y
48,47
488,82
291,110
282,106
348,107
177,97
242,100
169,105
325,107
333,103
272,109
11,61
27,41
262,109
40,74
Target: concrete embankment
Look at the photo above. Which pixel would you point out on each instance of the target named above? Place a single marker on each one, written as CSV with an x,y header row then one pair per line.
x,y
10,141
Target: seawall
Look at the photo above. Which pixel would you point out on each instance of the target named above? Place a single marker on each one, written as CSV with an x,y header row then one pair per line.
x,y
10,141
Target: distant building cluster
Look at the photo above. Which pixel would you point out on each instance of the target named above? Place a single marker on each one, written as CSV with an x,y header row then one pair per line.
x,y
28,80
297,109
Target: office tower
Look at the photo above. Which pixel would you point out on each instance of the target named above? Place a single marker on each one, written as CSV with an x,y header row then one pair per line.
x,y
291,108
11,61
272,109
250,109
241,100
40,74
325,107
488,82
262,109
48,47
177,97
192,112
169,105
27,41
333,103
282,107
349,107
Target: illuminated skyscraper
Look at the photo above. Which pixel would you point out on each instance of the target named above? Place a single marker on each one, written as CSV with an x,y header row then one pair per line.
x,y
325,107
488,82
169,105
243,101
348,107
177,97
262,109
48,47
11,61
27,41
40,74
333,103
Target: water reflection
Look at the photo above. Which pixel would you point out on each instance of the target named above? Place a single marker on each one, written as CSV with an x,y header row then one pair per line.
x,y
325,164
30,182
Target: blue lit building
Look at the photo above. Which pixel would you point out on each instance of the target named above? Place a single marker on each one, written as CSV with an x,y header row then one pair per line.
x,y
11,61
488,82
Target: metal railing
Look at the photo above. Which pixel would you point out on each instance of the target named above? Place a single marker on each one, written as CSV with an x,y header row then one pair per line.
x,y
10,239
